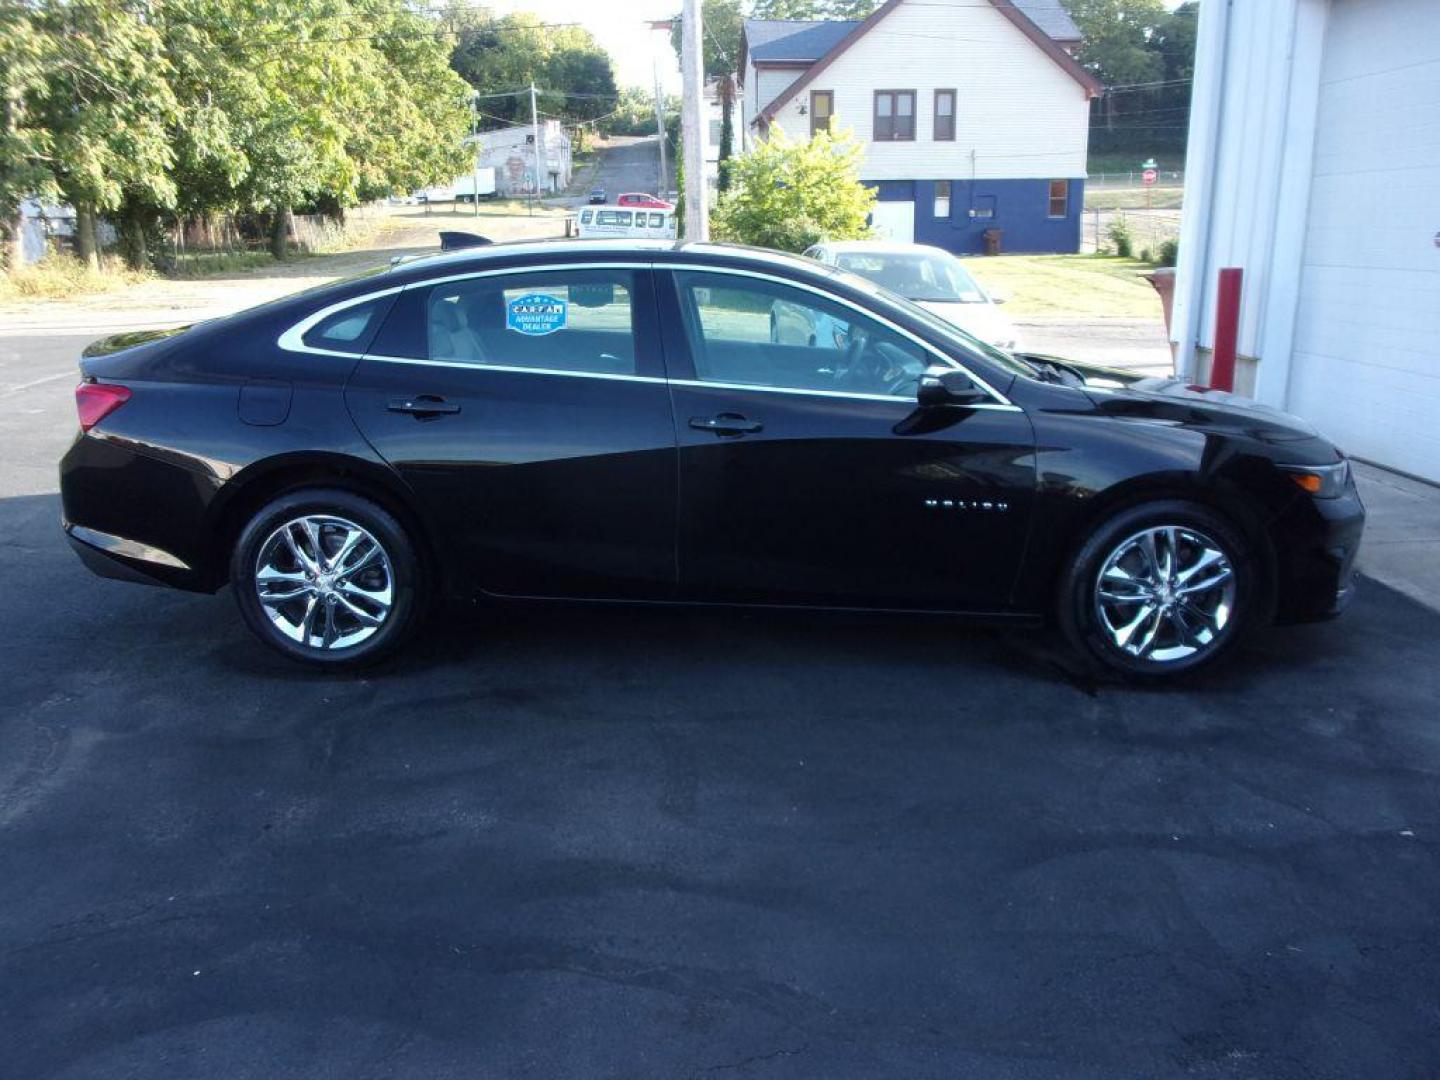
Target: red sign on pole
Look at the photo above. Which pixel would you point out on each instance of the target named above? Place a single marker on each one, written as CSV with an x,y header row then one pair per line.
x,y
1149,177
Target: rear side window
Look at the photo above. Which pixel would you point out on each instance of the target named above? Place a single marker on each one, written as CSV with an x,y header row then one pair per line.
x,y
350,329
564,320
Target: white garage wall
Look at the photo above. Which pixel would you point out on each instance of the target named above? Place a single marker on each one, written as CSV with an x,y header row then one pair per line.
x,y
1314,165
1366,363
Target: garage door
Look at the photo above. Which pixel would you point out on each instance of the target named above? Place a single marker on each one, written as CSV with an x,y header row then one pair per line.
x,y
1367,337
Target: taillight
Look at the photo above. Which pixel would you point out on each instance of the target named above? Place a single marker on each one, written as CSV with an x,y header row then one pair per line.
x,y
95,401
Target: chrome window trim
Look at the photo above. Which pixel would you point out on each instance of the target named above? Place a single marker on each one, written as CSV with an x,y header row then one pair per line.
x,y
291,339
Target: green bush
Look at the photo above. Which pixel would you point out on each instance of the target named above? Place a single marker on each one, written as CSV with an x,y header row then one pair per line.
x,y
788,195
1119,237
1168,253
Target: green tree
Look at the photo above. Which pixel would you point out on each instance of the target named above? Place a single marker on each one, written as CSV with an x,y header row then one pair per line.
x,y
789,195
814,9
720,50
25,163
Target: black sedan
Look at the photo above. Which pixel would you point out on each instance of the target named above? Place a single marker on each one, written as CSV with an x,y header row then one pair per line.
x,y
597,196
613,421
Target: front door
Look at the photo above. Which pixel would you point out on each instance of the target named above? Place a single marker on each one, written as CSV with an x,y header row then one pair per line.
x,y
894,221
528,412
809,476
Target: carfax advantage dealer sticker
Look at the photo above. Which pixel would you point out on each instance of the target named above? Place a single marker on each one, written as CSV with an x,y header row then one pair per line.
x,y
536,314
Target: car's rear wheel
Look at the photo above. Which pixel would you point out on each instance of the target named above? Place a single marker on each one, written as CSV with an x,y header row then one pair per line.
x,y
327,577
1159,589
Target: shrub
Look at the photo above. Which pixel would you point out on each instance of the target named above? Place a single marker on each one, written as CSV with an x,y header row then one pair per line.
x,y
1119,236
789,195
1168,253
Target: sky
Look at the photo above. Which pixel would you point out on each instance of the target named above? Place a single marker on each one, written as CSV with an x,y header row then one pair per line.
x,y
622,27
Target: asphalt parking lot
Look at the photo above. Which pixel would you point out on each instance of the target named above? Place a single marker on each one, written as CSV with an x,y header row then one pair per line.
x,y
561,842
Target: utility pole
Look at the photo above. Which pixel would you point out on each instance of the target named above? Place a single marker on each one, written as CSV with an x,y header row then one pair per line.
x,y
475,149
663,185
535,137
692,117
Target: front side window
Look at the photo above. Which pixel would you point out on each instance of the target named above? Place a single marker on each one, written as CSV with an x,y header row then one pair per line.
x,y
822,110
572,320
586,216
1059,198
942,198
894,115
749,332
944,115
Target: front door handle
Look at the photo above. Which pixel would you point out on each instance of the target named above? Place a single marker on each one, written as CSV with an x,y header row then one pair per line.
x,y
423,406
726,424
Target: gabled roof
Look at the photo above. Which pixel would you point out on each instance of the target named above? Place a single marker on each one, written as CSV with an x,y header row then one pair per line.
x,y
1022,13
1051,18
794,39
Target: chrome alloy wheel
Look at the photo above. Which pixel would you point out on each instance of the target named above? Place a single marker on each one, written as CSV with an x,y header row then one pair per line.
x,y
324,582
1165,594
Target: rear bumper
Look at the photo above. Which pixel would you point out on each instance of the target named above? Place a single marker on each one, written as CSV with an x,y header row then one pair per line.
x,y
123,559
1316,541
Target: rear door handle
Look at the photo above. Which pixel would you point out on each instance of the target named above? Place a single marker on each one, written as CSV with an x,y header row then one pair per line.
x,y
726,424
423,406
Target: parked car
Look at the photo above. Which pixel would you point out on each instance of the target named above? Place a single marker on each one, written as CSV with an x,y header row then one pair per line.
x,y
649,202
597,196
931,277
612,421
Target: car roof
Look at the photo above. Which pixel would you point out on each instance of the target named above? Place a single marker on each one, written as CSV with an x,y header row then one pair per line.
x,y
620,248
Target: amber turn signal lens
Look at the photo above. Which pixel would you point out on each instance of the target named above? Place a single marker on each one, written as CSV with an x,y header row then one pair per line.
x,y
1309,481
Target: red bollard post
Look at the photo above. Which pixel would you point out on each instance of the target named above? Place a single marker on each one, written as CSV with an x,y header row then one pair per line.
x,y
1227,329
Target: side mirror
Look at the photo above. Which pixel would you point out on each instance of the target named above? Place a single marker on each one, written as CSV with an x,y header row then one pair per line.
x,y
942,386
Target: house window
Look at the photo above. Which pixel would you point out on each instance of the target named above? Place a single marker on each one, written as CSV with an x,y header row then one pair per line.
x,y
942,198
1059,198
984,207
894,115
715,126
822,109
944,115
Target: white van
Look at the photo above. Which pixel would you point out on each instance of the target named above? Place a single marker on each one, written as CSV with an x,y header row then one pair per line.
x,y
634,223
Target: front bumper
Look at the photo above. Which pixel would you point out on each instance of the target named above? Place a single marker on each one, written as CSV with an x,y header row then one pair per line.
x,y
1316,541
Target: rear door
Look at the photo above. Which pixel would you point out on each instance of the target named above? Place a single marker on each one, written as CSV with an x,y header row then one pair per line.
x,y
808,475
527,410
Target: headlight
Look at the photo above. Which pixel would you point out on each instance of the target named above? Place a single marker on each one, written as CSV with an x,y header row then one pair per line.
x,y
1322,481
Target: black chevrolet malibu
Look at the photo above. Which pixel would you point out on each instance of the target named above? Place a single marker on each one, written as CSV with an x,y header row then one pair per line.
x,y
686,423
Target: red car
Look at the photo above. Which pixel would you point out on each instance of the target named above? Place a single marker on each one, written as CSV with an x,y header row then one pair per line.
x,y
637,198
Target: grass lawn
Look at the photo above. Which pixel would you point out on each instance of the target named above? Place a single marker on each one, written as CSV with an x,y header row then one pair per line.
x,y
1069,286
1161,198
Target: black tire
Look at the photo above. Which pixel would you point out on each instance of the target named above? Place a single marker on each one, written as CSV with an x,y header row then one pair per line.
x,y
400,575
1082,616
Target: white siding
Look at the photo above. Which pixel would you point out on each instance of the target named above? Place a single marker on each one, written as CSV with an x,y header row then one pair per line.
x,y
1314,166
1018,113
1366,364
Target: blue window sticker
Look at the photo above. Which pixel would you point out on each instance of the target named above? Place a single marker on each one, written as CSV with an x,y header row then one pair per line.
x,y
536,314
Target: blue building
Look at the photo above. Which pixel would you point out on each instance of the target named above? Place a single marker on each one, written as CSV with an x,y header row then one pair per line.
x,y
974,117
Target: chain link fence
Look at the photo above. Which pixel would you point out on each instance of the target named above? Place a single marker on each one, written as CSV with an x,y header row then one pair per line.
x,y
1147,229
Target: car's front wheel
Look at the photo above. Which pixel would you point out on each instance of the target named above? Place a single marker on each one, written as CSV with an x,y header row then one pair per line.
x,y
1159,589
327,577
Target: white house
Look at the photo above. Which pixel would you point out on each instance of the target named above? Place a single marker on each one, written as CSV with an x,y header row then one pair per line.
x,y
974,116
511,152
1314,167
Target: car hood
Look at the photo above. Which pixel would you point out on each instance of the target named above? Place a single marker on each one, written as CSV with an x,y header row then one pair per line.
x,y
1173,401
980,320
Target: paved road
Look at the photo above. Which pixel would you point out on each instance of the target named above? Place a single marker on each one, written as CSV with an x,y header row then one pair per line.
x,y
561,842
626,164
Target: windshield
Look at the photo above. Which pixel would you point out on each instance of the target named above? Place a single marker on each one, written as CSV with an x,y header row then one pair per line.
x,y
941,329
922,276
